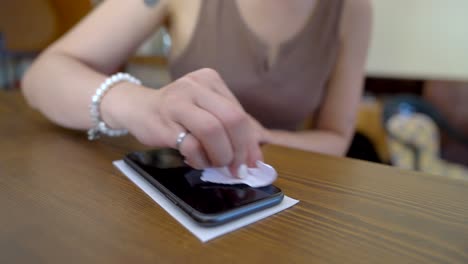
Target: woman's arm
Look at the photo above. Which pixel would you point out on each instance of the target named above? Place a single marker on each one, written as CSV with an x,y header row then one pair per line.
x,y
63,79
336,120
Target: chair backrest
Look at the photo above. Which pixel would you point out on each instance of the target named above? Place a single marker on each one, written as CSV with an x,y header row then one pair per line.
x,y
27,25
449,97
69,12
31,25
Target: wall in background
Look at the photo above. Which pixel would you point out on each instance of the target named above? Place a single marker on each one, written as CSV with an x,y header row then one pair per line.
x,y
420,39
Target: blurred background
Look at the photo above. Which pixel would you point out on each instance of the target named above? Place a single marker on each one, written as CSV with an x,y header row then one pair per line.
x,y
413,115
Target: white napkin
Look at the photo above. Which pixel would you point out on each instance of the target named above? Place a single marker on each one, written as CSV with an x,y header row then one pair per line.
x,y
261,176
201,232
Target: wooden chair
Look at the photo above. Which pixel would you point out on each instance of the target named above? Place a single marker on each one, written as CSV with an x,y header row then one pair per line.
x,y
26,28
70,12
450,97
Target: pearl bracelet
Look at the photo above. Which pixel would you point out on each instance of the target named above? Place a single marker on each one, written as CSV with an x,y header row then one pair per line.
x,y
100,127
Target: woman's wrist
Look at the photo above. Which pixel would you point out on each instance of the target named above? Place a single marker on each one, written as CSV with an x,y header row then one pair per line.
x,y
118,104
274,136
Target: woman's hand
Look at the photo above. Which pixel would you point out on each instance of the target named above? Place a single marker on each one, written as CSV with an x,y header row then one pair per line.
x,y
220,132
262,134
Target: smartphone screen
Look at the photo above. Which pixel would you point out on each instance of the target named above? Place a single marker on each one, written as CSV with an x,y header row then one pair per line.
x,y
208,203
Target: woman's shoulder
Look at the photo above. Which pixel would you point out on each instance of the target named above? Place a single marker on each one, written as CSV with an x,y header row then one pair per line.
x,y
356,16
178,6
362,6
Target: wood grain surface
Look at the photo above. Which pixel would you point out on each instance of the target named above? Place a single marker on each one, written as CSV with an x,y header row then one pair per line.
x,y
62,201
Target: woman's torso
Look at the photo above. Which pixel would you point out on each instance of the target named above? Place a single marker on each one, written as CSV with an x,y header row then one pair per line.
x,y
278,70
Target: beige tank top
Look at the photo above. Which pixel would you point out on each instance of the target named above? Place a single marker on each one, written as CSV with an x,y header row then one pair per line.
x,y
281,96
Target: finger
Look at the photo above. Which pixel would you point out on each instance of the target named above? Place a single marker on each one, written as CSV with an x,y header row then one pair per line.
x,y
193,153
189,147
212,80
236,124
209,133
254,154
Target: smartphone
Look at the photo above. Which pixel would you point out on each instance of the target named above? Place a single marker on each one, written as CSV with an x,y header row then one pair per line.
x,y
209,204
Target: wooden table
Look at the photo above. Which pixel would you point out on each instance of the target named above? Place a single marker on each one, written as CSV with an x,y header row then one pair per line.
x,y
62,201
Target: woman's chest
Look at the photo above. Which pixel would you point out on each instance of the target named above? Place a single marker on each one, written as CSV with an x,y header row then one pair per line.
x,y
270,22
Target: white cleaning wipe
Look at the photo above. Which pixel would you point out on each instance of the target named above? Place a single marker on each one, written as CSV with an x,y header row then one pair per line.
x,y
261,176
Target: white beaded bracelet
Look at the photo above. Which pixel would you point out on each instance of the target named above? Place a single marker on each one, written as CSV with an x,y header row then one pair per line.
x,y
100,127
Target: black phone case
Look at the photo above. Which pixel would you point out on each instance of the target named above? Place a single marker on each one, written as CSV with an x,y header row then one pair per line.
x,y
209,219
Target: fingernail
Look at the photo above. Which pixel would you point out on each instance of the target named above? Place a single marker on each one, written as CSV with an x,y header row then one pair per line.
x,y
242,171
258,163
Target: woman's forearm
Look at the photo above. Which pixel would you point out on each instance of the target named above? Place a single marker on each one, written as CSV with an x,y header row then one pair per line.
x,y
321,141
61,88
62,80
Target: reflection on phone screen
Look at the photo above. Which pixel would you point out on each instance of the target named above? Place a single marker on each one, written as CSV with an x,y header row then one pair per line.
x,y
168,169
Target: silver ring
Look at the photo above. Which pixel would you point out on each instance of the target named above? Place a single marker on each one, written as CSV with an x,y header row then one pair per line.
x,y
180,139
